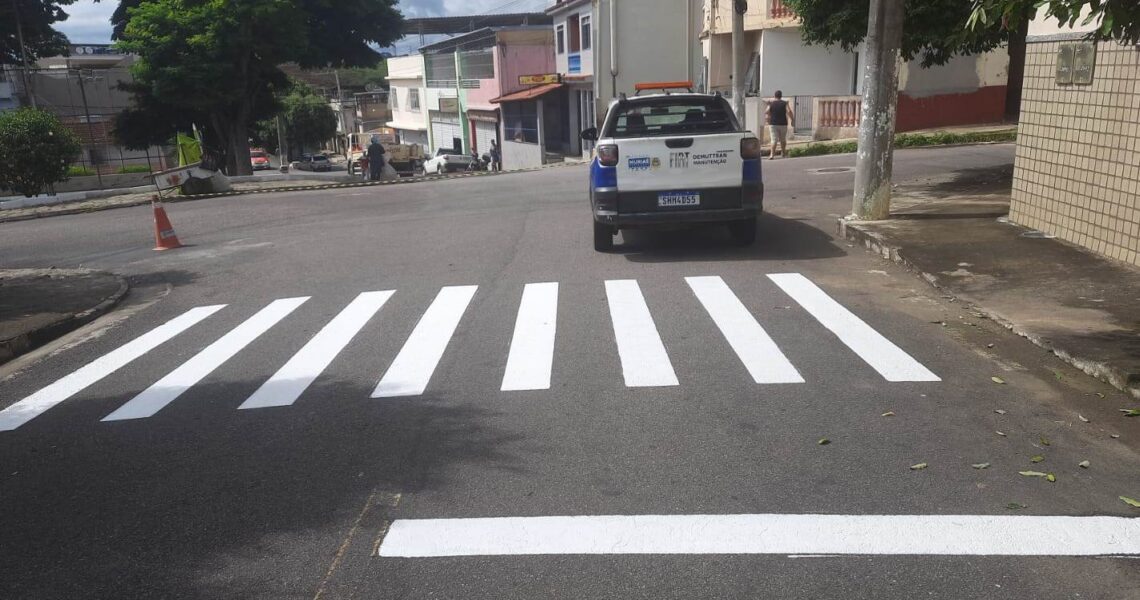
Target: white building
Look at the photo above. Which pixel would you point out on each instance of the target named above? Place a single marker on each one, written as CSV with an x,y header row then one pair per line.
x,y
406,99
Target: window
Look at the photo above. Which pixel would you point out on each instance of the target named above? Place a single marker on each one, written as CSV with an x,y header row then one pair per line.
x,y
586,32
478,64
393,99
520,121
672,117
560,38
414,100
575,33
439,70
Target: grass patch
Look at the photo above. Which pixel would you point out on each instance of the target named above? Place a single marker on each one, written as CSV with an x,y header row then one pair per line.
x,y
133,169
908,140
77,171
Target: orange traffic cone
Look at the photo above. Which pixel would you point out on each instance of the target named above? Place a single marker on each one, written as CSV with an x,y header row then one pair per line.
x,y
164,236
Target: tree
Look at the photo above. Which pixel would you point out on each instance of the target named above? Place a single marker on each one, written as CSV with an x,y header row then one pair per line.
x,y
218,59
1115,19
35,150
35,18
305,115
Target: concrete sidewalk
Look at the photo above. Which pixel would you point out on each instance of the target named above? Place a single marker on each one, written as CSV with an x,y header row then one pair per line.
x,y
39,305
1083,307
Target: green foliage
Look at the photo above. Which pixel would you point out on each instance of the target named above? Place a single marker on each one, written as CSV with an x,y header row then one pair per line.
x,y
308,119
1115,19
908,140
216,61
35,150
358,78
80,171
36,20
124,170
934,30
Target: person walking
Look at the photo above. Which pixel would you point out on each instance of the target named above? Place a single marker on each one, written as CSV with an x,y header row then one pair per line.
x,y
375,159
496,157
779,115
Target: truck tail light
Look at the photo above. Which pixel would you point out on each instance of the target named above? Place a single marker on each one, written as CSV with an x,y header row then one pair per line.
x,y
750,148
608,155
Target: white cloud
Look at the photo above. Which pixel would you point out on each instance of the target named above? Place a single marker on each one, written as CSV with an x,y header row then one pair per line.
x,y
90,22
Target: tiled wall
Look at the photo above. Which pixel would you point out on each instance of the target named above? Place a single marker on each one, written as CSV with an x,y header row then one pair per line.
x,y
1077,172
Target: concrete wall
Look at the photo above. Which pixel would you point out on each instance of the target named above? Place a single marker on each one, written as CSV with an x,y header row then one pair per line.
x,y
403,117
968,90
406,67
523,59
518,155
799,70
1077,170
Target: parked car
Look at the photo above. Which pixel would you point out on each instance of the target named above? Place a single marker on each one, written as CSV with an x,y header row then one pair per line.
x,y
259,160
670,159
447,160
314,162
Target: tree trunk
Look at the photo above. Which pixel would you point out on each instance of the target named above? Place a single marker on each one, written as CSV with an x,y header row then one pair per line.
x,y
874,161
1016,72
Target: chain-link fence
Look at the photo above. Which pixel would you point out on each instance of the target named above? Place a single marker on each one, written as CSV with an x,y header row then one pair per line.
x,y
87,101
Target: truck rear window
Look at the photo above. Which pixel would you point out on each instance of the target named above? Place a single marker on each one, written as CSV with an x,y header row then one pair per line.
x,y
667,117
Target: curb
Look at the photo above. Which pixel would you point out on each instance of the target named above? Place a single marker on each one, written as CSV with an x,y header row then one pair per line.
x,y
1121,379
277,190
30,340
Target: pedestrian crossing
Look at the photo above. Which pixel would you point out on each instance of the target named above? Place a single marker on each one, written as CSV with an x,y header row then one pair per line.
x,y
529,363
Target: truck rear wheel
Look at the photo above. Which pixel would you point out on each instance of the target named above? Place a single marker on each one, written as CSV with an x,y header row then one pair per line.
x,y
603,237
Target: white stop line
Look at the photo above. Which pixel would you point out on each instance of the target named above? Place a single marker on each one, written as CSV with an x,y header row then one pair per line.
x,y
766,534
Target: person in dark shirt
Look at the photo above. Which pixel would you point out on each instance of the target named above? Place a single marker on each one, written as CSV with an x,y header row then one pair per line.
x,y
780,115
375,159
496,157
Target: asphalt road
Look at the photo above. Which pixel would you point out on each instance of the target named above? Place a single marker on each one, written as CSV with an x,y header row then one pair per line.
x,y
193,498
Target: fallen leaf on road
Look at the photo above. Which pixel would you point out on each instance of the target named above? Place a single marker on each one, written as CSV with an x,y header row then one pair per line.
x,y
888,414
1032,473
1083,418
918,467
1131,412
981,466
1044,441
1000,411
1084,464
1130,501
997,380
1100,394
1037,459
1051,478
1000,433
823,441
1016,506
989,345
1115,436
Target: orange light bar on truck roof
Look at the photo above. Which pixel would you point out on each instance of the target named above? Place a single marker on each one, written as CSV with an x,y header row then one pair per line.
x,y
663,85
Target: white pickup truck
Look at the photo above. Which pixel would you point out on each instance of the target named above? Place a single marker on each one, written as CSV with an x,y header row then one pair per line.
x,y
669,159
447,160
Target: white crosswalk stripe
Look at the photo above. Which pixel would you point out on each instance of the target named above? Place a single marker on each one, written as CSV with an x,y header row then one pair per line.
x,y
529,361
414,365
748,339
888,359
154,398
289,382
532,348
644,362
28,408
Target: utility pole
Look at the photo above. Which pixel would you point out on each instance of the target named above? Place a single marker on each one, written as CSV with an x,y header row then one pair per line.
x,y
739,7
23,55
873,164
282,154
90,129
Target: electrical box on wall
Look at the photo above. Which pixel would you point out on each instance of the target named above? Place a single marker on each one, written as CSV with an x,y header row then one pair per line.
x,y
1076,63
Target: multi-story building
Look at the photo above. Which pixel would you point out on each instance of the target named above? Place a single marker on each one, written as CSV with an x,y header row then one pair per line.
x,y
469,82
825,84
406,99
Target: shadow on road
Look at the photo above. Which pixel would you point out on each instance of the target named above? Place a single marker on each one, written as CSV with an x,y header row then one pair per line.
x,y
777,238
206,501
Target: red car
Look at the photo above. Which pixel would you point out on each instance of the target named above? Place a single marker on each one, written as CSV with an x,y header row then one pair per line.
x,y
259,160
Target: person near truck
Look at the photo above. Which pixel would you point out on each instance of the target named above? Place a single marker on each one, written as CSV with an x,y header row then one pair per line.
x,y
496,156
779,116
375,159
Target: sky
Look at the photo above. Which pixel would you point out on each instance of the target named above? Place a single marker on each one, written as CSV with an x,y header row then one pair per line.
x,y
89,22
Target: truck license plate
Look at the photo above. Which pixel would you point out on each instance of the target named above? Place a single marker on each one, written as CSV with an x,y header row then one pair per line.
x,y
678,199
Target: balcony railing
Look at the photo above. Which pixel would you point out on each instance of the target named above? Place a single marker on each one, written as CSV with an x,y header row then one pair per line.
x,y
837,111
778,10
